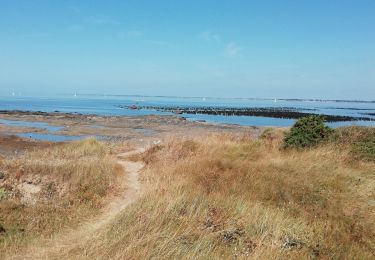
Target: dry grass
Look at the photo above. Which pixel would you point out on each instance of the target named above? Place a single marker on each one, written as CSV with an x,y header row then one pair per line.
x,y
51,189
360,141
226,197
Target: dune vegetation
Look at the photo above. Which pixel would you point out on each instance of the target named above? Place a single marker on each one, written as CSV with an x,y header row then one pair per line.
x,y
224,197
48,190
215,197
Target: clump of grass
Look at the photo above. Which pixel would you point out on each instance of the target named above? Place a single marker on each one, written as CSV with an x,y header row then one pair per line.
x,y
360,141
73,180
365,149
3,194
307,132
220,197
273,137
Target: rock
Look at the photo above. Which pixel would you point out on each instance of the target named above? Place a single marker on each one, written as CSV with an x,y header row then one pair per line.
x,y
2,175
2,229
291,243
32,179
232,235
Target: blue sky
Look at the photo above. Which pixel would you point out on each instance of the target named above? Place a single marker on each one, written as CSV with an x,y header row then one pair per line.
x,y
283,48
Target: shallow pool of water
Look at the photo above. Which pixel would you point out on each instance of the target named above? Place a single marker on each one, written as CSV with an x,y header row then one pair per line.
x,y
60,138
41,125
51,137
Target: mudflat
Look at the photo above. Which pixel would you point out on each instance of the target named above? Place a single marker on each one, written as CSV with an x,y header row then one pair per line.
x,y
135,129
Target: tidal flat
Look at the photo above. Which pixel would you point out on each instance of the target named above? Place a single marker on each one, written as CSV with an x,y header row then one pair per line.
x,y
33,127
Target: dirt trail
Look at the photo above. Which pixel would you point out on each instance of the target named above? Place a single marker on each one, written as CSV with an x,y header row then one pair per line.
x,y
71,240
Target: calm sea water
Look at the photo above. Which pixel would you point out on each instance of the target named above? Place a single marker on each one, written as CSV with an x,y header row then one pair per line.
x,y
108,105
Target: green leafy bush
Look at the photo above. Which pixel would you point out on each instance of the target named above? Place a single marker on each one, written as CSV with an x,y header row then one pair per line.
x,y
307,132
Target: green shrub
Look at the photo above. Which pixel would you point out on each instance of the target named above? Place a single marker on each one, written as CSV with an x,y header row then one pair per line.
x,y
307,132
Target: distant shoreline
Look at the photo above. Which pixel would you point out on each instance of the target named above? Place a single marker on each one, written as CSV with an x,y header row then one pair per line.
x,y
238,98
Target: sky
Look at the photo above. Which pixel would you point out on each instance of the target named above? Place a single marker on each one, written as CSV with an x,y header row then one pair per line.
x,y
239,48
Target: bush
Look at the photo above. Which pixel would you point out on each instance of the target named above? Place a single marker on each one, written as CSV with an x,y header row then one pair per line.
x,y
307,132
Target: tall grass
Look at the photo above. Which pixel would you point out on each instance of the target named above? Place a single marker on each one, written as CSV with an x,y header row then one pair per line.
x,y
360,141
226,197
73,180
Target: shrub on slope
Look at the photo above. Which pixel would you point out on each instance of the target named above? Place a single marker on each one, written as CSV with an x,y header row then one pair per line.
x,y
307,132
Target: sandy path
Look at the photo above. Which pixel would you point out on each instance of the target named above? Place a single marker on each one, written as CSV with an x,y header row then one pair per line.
x,y
72,239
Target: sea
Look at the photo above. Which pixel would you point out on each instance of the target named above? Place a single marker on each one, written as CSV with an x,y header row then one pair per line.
x,y
106,105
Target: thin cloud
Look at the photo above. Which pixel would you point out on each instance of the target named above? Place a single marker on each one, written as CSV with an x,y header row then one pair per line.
x,y
134,33
75,28
121,35
102,21
129,34
232,49
33,35
160,43
74,9
209,36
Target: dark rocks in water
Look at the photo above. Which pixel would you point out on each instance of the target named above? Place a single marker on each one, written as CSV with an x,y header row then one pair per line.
x,y
41,113
21,112
350,108
287,113
177,111
133,107
368,114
